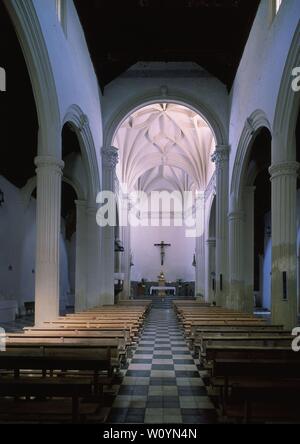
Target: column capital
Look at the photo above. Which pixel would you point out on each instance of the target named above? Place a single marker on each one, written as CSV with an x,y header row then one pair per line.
x,y
49,162
221,154
110,157
288,168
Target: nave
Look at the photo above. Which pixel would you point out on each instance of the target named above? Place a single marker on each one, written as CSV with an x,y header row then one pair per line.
x,y
134,364
163,383
195,137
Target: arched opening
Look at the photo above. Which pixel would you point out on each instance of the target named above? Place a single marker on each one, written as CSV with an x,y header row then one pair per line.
x,y
19,129
68,249
165,150
211,255
257,198
68,241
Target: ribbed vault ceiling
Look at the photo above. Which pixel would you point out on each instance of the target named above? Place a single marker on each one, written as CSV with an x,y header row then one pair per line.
x,y
165,146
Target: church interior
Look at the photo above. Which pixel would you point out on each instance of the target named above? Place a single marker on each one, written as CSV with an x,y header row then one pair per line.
x,y
150,231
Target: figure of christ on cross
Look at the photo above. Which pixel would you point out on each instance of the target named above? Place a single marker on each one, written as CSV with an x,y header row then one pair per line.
x,y
162,246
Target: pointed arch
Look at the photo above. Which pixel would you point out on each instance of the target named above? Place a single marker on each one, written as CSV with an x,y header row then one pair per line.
x,y
257,120
80,123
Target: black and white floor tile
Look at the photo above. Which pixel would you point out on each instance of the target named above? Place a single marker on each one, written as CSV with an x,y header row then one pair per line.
x,y
163,383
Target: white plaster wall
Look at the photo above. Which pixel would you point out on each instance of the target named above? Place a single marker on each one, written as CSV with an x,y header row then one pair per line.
x,y
260,72
73,71
123,93
17,241
146,257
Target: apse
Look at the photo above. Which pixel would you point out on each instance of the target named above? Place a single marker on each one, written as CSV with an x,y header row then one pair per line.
x,y
164,148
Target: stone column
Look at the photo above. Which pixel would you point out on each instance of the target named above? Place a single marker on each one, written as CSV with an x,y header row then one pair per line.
x,y
284,243
109,163
211,268
236,260
48,219
81,256
221,159
200,246
241,254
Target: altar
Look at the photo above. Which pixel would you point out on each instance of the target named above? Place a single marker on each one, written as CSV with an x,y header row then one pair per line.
x,y
165,289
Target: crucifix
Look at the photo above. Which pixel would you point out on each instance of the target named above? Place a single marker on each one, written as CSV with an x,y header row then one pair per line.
x,y
162,246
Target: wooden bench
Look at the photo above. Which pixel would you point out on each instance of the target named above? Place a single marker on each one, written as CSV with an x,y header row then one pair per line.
x,y
54,359
117,349
69,357
214,353
242,341
252,388
75,389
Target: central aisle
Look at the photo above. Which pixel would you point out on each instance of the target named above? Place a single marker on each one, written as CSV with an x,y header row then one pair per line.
x,y
162,383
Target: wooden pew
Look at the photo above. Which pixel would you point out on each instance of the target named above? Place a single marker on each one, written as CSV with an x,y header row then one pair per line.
x,y
242,324
75,389
60,352
116,347
57,358
247,360
134,328
256,340
214,353
18,362
258,388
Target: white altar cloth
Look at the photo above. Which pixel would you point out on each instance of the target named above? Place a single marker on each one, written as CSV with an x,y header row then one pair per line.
x,y
152,289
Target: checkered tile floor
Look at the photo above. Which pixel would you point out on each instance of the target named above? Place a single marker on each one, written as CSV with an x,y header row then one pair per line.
x,y
163,383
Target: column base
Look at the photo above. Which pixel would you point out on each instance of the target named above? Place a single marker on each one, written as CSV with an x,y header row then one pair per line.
x,y
80,302
241,297
284,312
